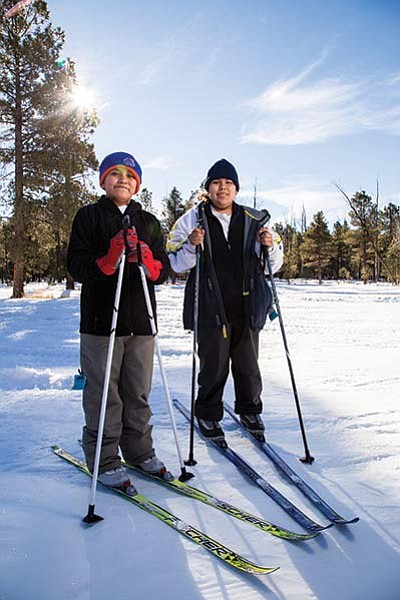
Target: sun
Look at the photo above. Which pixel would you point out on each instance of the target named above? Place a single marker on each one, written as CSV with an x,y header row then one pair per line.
x,y
83,98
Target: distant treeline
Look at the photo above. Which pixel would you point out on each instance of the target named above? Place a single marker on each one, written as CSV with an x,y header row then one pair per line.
x,y
366,246
47,161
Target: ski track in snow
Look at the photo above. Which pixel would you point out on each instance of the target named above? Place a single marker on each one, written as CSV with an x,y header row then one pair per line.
x,y
344,344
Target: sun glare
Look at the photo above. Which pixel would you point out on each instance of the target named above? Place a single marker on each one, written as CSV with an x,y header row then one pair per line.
x,y
83,98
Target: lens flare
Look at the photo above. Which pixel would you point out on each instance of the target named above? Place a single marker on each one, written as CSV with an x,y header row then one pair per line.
x,y
82,98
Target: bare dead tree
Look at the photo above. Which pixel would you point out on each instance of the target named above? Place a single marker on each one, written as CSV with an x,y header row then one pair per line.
x,y
372,236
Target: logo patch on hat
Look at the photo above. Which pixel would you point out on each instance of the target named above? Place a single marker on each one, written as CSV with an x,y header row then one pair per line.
x,y
129,162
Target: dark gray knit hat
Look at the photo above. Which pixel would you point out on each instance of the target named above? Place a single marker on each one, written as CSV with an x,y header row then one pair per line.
x,y
222,169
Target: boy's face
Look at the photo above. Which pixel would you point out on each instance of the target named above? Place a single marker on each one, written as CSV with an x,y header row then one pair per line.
x,y
222,193
120,185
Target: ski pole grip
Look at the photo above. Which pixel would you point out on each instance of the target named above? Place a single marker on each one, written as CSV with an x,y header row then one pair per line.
x,y
126,221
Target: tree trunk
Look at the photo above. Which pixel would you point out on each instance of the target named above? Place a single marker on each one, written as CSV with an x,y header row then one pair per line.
x,y
364,260
70,284
19,233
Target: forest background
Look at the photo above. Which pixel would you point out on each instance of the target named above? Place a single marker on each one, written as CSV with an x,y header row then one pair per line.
x,y
47,163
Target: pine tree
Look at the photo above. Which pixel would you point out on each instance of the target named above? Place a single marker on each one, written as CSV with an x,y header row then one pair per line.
x,y
145,197
66,159
341,251
389,241
316,247
24,55
42,136
192,200
174,207
5,250
364,214
292,239
363,217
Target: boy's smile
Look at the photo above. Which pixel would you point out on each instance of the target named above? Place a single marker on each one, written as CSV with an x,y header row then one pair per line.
x,y
120,185
222,193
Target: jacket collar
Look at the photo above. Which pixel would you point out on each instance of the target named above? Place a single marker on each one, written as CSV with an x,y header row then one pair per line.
x,y
109,205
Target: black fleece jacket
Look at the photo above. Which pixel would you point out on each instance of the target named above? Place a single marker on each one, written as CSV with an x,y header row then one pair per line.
x,y
93,227
232,282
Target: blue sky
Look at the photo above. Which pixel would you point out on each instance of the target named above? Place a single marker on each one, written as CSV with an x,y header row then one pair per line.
x,y
297,94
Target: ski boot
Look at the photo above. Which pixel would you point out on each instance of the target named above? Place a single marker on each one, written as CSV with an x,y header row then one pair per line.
x,y
254,425
212,431
118,479
154,466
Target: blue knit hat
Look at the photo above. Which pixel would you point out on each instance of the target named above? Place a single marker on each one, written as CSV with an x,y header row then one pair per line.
x,y
222,169
120,159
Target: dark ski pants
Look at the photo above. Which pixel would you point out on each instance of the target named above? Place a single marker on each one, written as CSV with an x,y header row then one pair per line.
x,y
216,354
127,422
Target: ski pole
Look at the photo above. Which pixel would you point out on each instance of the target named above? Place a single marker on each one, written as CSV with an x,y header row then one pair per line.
x,y
307,458
199,248
191,460
185,475
91,517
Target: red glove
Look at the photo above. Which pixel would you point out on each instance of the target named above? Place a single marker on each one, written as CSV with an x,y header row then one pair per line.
x,y
108,264
151,265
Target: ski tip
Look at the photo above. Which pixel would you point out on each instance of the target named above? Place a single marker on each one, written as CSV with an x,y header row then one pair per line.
x,y
270,570
319,528
305,536
345,521
256,569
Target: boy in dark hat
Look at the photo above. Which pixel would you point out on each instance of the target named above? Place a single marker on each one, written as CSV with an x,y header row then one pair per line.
x,y
233,297
95,248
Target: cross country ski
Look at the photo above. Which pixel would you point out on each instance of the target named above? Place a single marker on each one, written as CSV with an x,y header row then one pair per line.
x,y
245,468
225,554
293,477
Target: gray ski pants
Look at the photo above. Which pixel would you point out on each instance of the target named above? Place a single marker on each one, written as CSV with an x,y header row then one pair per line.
x,y
127,422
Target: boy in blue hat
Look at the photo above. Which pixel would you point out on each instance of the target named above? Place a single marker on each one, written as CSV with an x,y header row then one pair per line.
x,y
95,248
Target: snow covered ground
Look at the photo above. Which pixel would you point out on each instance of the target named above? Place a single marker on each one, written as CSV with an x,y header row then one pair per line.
x,y
344,344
